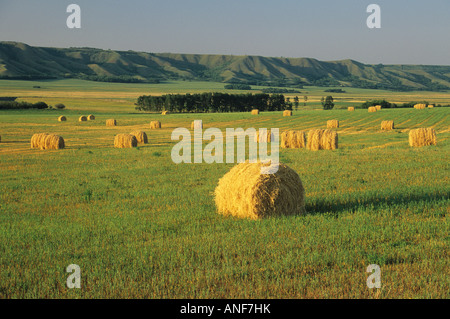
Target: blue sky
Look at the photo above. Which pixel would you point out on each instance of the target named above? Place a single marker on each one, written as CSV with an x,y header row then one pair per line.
x,y
412,31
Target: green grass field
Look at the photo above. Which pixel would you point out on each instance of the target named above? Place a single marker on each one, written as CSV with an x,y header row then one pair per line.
x,y
140,226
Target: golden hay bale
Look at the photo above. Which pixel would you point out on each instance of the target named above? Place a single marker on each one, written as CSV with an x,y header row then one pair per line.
x,y
266,138
293,139
155,124
141,136
246,193
332,124
255,112
46,141
82,118
91,117
372,109
430,106
197,124
62,118
165,112
351,108
378,107
125,141
420,106
387,125
422,137
287,113
322,140
111,122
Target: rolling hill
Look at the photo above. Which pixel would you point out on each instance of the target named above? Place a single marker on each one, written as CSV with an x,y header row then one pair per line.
x,y
21,61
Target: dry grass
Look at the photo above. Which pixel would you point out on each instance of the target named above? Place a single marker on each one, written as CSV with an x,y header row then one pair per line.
x,y
293,139
125,141
287,113
322,140
372,109
387,125
420,106
197,124
255,112
155,125
351,108
332,124
91,117
82,118
141,136
46,141
246,193
62,118
422,137
111,122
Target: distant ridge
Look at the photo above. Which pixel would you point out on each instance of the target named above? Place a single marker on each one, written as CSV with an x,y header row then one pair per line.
x,y
21,61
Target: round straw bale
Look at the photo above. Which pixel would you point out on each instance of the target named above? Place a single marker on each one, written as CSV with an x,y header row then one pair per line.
x,y
141,136
82,118
430,106
378,107
372,109
246,193
37,140
255,112
111,122
91,117
420,106
197,124
387,125
155,124
52,142
322,140
125,141
165,112
332,124
266,138
62,118
287,113
351,108
422,137
293,139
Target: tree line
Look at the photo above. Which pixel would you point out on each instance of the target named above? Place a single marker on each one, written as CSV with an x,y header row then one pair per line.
x,y
212,102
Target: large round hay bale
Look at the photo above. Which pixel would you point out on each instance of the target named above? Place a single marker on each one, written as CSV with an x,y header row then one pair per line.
x,y
322,140
141,136
387,125
246,193
422,137
287,113
155,124
197,124
420,106
351,108
264,138
111,122
372,109
255,112
46,141
82,118
165,112
125,141
332,124
62,118
378,107
430,106
37,140
91,117
293,139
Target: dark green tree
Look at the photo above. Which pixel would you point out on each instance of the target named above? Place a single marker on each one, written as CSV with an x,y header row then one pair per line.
x,y
328,103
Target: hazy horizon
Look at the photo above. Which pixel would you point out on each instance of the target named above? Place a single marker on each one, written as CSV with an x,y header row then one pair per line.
x,y
412,32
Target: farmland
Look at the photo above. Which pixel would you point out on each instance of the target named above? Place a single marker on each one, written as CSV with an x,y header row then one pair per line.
x,y
140,226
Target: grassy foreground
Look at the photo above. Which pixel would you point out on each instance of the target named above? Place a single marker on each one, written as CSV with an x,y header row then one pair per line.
x,y
140,226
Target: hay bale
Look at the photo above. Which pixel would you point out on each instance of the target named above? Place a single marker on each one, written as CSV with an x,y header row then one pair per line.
x,y
255,112
293,139
387,125
46,141
62,118
197,124
422,137
351,108
141,136
420,106
332,124
322,140
165,112
111,122
82,118
378,107
266,138
287,113
246,193
125,141
430,106
155,124
91,117
372,109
